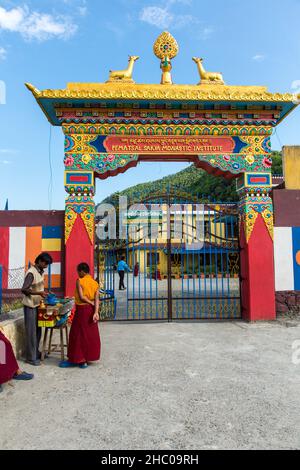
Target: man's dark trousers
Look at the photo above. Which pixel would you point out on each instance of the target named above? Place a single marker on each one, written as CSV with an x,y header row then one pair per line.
x,y
33,333
121,281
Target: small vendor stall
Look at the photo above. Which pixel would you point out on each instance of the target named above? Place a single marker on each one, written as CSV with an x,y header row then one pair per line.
x,y
54,314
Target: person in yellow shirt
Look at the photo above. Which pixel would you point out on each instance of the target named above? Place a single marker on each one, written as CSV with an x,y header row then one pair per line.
x,y
84,341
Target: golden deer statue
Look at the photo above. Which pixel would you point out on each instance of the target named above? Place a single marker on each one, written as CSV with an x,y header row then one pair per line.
x,y
123,75
208,77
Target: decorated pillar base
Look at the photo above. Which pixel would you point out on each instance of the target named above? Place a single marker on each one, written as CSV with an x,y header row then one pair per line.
x,y
79,225
256,242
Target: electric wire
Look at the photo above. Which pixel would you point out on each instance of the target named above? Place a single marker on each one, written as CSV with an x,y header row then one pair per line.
x,y
50,186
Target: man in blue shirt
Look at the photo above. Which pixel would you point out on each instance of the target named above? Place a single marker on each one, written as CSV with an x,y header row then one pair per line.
x,y
121,268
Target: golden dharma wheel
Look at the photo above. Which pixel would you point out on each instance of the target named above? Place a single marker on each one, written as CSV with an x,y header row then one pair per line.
x,y
165,46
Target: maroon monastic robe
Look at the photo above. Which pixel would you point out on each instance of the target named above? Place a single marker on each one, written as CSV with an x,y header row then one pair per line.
x,y
84,341
8,362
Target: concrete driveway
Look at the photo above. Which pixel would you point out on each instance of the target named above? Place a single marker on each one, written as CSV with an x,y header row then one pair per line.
x,y
164,386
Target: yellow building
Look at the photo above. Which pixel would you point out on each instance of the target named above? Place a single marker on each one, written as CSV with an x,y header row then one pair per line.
x,y
200,240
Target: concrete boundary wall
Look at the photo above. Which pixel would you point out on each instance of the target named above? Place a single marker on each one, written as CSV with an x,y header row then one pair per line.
x,y
23,235
287,239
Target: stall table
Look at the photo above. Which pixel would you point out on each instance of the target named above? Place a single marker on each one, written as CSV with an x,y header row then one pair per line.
x,y
55,317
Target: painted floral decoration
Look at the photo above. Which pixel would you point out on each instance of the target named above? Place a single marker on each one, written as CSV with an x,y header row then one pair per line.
x,y
250,159
100,165
267,162
69,161
86,159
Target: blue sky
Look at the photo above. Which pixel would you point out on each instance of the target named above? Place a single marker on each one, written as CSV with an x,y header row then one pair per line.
x,y
52,42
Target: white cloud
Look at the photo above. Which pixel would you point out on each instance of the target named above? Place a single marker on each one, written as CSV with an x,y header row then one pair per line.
x,y
183,2
183,20
164,17
3,53
258,57
207,32
157,16
78,6
8,151
35,25
82,10
114,28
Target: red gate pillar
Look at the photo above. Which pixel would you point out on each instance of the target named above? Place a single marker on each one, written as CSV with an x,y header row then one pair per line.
x,y
79,225
256,242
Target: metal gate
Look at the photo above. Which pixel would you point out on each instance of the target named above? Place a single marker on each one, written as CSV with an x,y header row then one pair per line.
x,y
183,258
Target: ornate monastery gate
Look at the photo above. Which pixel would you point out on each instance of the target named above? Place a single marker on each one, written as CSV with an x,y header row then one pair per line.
x,y
188,262
224,129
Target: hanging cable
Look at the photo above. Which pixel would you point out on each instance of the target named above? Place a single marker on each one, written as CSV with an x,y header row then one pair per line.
x,y
278,138
50,186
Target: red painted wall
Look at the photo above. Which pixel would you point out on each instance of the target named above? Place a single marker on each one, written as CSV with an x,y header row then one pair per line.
x,y
257,268
244,269
78,250
31,218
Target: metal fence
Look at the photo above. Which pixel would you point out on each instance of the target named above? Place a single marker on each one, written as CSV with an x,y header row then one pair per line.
x,y
11,281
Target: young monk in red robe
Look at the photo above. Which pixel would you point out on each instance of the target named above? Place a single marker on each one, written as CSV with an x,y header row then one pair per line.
x,y
9,368
84,341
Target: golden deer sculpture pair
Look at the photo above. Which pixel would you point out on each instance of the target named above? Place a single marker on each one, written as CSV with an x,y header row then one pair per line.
x,y
126,75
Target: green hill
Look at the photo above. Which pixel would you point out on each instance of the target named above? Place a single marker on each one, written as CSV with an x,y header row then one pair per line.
x,y
193,182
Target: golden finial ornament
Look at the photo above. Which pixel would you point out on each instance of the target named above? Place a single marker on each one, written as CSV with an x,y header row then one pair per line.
x,y
124,76
207,77
166,48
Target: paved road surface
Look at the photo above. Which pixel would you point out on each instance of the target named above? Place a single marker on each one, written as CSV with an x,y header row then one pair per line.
x,y
164,386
